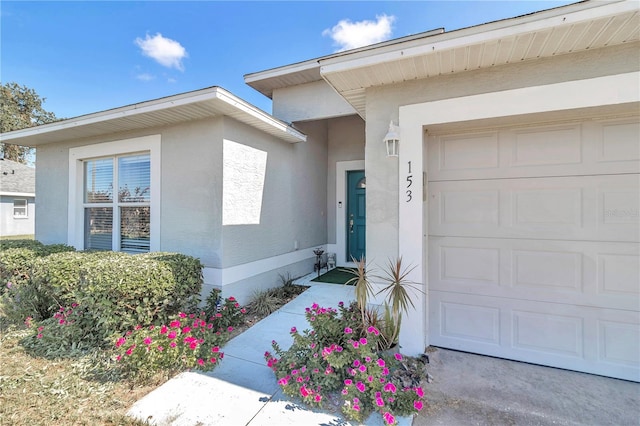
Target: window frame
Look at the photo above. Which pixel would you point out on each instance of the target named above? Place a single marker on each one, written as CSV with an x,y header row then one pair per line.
x,y
25,207
77,156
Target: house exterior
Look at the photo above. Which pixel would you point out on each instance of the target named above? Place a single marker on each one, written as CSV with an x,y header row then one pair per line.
x,y
516,191
17,198
514,197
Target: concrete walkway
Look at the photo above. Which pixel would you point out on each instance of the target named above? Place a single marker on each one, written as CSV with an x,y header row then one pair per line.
x,y
466,389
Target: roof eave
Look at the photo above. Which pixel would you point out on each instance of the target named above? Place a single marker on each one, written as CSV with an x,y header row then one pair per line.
x,y
217,97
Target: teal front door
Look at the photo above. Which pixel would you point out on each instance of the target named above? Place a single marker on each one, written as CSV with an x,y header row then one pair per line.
x,y
356,214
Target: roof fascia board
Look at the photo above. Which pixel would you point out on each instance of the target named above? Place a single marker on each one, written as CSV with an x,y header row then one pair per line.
x,y
255,112
214,93
474,35
280,71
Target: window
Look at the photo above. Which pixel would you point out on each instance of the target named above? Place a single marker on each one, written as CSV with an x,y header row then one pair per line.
x,y
20,210
129,207
114,195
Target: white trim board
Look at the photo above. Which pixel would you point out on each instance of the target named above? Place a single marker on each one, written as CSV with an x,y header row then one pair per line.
x,y
220,277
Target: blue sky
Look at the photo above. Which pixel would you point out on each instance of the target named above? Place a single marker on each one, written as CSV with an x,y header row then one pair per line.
x,y
85,57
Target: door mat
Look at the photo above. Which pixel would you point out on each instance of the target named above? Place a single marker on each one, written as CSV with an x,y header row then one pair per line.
x,y
336,276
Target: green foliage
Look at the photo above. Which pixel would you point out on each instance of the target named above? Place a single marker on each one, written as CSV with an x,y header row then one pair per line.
x,y
20,107
337,356
20,295
264,302
68,334
398,298
227,312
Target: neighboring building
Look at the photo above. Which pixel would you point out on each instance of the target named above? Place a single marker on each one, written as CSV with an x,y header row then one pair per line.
x,y
17,198
515,195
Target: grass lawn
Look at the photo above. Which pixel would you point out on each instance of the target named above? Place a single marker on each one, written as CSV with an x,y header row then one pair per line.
x,y
38,391
16,237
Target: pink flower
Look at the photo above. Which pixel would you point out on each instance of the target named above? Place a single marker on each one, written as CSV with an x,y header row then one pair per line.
x,y
300,379
348,382
348,330
186,330
137,327
363,341
370,379
172,344
390,387
217,349
417,405
356,407
356,362
232,298
345,391
39,336
229,329
419,392
172,335
243,310
318,398
293,329
379,402
160,348
380,362
147,340
398,357
305,392
120,342
151,327
61,322
182,315
373,330
294,372
360,386
355,344
174,324
388,417
385,371
130,350
193,345
283,381
367,359
163,329
119,357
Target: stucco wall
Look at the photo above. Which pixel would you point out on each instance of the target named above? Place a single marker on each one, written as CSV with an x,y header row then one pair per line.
x,y
346,143
10,225
189,207
293,205
311,101
383,103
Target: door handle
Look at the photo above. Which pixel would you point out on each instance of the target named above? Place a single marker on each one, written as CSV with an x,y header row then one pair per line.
x,y
351,226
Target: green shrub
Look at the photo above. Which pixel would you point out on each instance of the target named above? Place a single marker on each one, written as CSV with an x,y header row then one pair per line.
x,y
227,312
20,295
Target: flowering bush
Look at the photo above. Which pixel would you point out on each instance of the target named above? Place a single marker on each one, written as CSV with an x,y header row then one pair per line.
x,y
66,334
337,356
185,342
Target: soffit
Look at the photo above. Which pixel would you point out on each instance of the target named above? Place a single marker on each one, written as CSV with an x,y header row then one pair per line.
x,y
524,39
206,103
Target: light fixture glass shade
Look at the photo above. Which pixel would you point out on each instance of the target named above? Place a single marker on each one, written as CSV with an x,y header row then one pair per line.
x,y
392,140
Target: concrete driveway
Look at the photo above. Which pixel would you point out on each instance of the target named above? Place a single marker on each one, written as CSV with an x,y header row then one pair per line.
x,y
470,389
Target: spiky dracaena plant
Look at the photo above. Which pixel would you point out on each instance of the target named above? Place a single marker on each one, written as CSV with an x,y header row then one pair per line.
x,y
397,295
363,288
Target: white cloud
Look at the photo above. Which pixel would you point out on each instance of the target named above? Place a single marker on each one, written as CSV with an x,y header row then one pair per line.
x,y
350,35
145,77
166,52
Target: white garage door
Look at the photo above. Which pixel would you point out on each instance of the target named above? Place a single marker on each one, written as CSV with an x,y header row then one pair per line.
x,y
533,244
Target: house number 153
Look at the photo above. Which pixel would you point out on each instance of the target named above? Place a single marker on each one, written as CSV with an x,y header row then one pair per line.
x,y
409,183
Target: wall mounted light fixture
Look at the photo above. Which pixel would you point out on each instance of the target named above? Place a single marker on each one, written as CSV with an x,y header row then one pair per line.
x,y
392,139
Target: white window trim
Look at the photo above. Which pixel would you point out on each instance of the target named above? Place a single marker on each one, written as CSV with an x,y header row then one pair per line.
x,y
26,208
150,144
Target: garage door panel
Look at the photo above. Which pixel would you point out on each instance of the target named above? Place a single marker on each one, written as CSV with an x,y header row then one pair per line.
x,y
604,208
591,148
595,340
594,274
